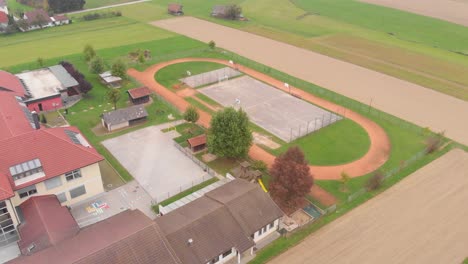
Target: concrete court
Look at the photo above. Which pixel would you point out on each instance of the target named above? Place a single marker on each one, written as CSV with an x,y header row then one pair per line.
x,y
281,114
152,159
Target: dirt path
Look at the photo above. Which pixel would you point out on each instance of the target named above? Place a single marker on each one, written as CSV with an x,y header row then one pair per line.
x,y
376,156
449,10
422,219
409,101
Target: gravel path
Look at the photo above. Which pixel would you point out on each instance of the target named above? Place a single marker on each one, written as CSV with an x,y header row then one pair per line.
x,y
406,100
422,219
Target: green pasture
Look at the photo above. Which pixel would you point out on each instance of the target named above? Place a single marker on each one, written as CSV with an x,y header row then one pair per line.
x,y
100,3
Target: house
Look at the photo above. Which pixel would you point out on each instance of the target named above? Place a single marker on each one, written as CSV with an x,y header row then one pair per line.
x,y
59,20
46,89
3,20
223,225
139,95
124,117
37,19
197,143
3,7
109,80
39,161
175,9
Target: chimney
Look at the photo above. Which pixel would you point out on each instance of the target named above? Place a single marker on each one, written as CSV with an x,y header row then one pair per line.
x,y
35,116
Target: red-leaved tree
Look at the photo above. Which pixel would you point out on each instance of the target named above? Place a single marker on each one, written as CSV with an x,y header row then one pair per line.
x,y
291,179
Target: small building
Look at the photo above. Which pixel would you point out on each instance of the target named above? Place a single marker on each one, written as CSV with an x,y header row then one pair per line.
x,y
139,95
47,88
60,20
245,171
197,143
37,19
109,80
3,7
175,9
124,117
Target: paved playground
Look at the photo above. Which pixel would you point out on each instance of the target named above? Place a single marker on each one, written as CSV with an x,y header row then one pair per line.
x,y
422,219
152,159
280,113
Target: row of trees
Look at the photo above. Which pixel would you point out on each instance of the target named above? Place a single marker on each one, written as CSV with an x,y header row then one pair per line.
x,y
55,6
83,85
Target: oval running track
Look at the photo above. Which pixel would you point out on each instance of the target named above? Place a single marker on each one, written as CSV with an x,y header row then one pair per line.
x,y
375,157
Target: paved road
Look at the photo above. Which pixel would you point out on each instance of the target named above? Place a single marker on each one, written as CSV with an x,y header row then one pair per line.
x,y
109,6
422,219
454,11
406,100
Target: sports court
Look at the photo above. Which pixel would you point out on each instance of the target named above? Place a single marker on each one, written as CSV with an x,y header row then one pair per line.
x,y
210,77
280,113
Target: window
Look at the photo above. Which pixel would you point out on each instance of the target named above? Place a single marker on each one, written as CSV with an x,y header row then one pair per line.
x,y
215,260
77,191
62,197
28,191
53,183
271,225
26,169
8,232
73,175
227,253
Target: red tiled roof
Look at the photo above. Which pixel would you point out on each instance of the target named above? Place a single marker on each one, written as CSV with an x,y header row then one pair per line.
x,y
3,17
139,92
46,223
55,150
32,16
12,116
197,141
173,7
60,17
11,82
5,188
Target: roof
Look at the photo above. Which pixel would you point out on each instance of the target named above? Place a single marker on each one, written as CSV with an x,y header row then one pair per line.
x,y
63,76
261,209
125,114
60,18
128,237
46,223
139,92
3,17
174,7
197,141
10,82
109,78
15,118
56,150
209,226
32,16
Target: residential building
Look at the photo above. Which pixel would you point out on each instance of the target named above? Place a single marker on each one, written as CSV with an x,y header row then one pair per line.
x,y
38,161
59,20
47,88
124,117
37,19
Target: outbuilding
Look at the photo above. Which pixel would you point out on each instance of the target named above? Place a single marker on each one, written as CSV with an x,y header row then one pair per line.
x,y
139,95
124,117
109,80
197,143
175,9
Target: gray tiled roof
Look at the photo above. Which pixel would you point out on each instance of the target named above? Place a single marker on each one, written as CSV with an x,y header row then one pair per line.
x,y
63,76
125,114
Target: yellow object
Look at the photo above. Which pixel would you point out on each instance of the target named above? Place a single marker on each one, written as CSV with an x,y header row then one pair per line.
x,y
261,184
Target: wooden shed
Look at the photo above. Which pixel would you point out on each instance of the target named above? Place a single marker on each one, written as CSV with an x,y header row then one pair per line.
x,y
197,143
139,95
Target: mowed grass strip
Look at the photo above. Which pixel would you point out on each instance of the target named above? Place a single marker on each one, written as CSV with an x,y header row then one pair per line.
x,y
339,143
99,3
70,39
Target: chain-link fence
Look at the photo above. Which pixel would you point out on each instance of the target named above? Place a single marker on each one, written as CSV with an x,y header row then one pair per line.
x,y
200,163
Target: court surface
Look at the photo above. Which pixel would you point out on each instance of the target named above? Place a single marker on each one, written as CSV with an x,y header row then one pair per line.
x,y
421,219
280,113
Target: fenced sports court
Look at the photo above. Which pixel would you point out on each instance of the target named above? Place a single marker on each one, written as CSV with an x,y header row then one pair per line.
x,y
210,77
278,112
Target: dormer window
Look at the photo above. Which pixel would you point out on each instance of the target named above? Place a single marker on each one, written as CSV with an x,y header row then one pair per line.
x,y
26,171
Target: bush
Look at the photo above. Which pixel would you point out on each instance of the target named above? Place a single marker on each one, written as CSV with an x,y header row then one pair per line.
x,y
260,165
375,181
191,114
94,16
212,45
96,65
119,68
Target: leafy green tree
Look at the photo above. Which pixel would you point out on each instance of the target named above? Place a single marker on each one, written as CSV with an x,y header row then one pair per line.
x,y
141,57
229,134
119,68
212,44
113,95
89,52
40,62
191,114
233,12
345,178
96,65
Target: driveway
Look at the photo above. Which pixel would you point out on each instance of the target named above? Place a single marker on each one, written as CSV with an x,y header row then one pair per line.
x,y
406,100
152,159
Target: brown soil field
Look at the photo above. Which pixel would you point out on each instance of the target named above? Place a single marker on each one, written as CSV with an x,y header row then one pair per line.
x,y
411,102
454,11
422,219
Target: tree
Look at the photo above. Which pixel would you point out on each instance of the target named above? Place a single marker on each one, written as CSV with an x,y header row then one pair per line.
x,y
141,57
291,179
113,95
63,6
40,62
96,65
345,181
375,181
212,44
233,12
191,114
89,52
85,86
229,134
119,68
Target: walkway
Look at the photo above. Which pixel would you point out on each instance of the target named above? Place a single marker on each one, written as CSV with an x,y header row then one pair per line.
x,y
406,100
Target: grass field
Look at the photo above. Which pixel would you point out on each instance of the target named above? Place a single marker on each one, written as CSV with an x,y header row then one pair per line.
x,y
14,7
99,3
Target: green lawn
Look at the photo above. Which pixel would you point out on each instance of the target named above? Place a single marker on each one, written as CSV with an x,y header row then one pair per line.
x,y
99,3
171,74
199,105
341,142
14,7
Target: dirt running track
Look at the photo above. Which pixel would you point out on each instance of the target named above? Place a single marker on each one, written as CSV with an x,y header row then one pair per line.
x,y
455,11
422,219
409,101
376,156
